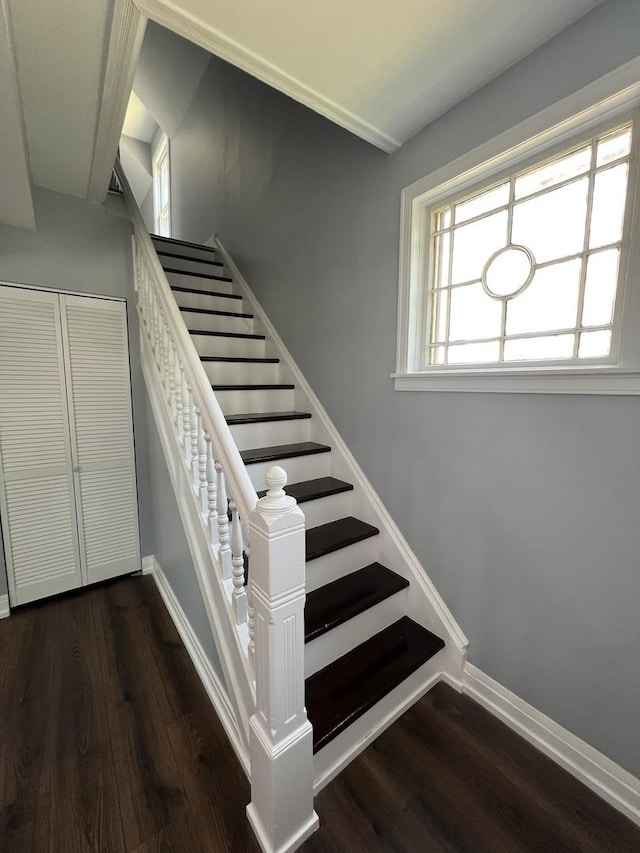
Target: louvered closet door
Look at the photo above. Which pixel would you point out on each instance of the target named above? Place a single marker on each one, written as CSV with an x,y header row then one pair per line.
x,y
95,334
36,479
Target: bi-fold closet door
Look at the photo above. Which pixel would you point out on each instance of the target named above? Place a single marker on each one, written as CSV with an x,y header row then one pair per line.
x,y
68,496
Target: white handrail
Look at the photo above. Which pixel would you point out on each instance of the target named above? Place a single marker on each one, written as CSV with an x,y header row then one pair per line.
x,y
240,485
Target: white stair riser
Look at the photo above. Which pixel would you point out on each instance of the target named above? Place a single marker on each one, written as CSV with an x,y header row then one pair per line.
x,y
200,300
191,266
327,509
298,468
241,347
212,284
217,322
340,640
324,570
242,402
242,373
188,251
270,433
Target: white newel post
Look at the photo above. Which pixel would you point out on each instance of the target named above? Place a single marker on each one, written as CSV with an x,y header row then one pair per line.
x,y
281,809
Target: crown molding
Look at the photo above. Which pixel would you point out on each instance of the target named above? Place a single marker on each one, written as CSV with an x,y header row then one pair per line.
x,y
212,40
125,41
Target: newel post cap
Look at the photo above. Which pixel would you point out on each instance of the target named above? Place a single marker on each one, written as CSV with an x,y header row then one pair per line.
x,y
276,501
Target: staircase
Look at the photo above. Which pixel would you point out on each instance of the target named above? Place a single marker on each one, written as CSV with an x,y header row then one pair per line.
x,y
360,644
326,625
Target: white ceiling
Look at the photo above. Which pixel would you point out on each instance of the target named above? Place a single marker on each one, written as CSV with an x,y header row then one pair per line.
x,y
61,50
382,69
16,206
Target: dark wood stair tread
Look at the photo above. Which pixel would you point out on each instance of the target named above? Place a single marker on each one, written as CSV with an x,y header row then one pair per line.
x,y
198,274
265,417
274,386
311,490
341,600
282,451
215,312
239,359
180,289
346,689
189,258
334,535
158,238
226,334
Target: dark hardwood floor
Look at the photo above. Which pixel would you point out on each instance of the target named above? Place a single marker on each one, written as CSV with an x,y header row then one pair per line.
x,y
108,744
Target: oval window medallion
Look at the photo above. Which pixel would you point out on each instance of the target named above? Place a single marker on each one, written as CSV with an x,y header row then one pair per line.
x,y
508,271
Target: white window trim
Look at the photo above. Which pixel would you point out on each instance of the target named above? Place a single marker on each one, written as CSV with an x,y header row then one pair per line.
x,y
161,150
605,100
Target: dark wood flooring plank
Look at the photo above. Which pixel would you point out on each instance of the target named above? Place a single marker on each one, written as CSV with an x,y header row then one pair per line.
x,y
177,687
150,791
343,824
547,794
25,722
87,813
218,799
476,808
177,837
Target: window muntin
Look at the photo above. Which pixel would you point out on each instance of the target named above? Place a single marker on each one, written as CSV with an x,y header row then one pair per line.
x,y
555,230
161,190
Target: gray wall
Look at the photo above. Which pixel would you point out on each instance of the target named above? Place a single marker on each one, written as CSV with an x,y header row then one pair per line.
x,y
171,548
79,246
523,509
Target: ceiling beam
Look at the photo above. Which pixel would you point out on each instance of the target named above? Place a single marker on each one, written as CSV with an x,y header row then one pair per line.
x,y
125,42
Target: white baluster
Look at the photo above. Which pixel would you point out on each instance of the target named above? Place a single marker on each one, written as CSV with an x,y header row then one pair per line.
x,y
211,492
224,551
161,350
177,390
186,419
154,323
142,293
281,738
165,360
251,624
202,468
237,566
179,403
171,363
195,419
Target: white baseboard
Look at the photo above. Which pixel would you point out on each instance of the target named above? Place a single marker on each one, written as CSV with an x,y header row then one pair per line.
x,y
210,679
603,776
4,607
149,564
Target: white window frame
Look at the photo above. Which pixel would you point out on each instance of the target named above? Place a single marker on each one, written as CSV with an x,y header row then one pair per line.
x,y
608,101
160,155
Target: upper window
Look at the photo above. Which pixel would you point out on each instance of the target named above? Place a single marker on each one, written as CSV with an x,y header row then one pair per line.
x,y
162,189
521,265
526,269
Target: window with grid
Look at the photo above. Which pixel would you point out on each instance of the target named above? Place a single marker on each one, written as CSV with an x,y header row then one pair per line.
x,y
527,269
161,189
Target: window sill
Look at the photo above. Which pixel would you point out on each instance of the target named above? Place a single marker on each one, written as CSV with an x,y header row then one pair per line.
x,y
522,380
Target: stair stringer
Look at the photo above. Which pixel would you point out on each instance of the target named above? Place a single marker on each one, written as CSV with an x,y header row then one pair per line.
x,y
423,603
233,659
